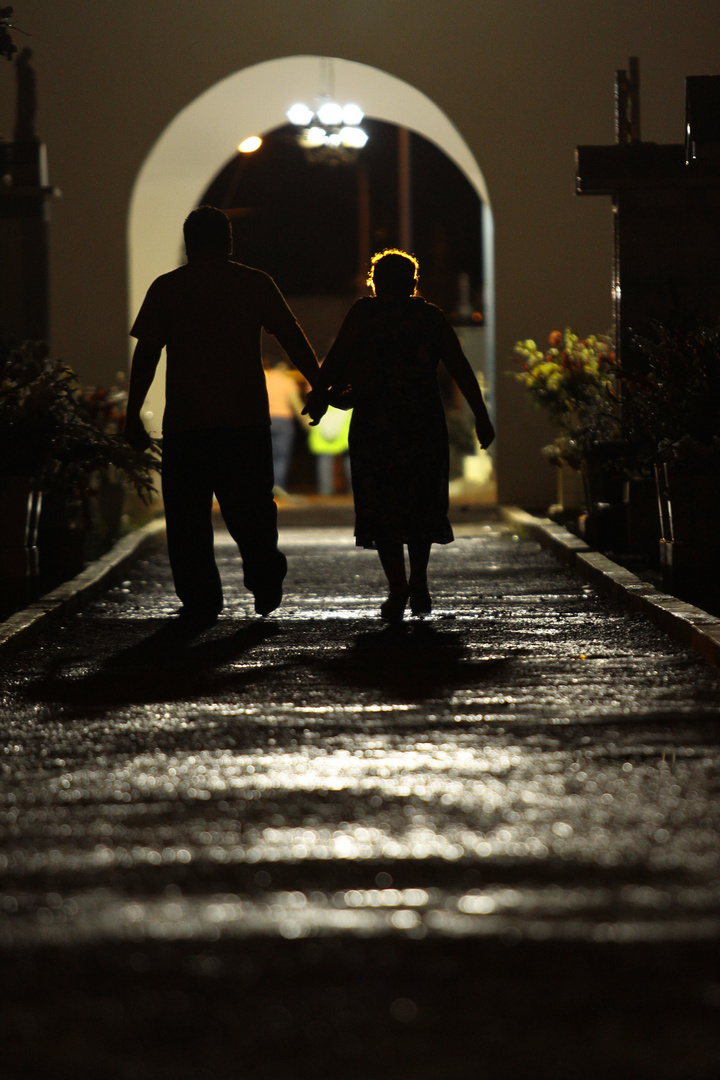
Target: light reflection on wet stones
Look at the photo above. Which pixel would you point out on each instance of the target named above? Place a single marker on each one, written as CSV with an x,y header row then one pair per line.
x,y
526,729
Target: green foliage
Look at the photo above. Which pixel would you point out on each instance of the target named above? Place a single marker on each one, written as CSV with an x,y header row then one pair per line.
x,y
671,394
8,48
58,434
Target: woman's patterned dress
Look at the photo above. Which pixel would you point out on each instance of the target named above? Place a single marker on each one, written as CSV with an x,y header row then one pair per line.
x,y
388,353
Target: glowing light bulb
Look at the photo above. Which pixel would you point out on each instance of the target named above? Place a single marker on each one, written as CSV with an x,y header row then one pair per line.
x,y
250,145
352,115
315,136
299,114
353,136
330,114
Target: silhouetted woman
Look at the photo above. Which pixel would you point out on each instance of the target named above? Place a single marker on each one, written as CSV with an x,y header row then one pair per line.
x,y
386,355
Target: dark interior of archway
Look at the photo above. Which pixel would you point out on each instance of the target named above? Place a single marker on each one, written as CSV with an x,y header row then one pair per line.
x,y
298,220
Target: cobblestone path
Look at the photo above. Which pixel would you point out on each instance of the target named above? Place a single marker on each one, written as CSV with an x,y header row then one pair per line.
x,y
483,844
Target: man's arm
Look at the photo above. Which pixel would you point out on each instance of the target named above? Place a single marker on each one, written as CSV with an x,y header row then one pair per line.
x,y
144,365
299,349
334,366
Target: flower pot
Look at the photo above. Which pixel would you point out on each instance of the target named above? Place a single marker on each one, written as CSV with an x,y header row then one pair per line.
x,y
604,526
642,517
19,511
106,511
61,541
689,507
571,489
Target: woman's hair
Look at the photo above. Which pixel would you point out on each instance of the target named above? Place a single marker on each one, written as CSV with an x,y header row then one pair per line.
x,y
207,229
393,273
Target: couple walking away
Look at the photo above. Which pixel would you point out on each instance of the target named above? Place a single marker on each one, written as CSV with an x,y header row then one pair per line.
x,y
209,315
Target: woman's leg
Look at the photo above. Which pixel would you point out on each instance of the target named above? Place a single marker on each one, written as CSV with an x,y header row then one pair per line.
x,y
420,602
419,552
392,558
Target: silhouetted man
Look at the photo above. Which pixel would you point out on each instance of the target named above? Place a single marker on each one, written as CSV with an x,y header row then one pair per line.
x,y
209,315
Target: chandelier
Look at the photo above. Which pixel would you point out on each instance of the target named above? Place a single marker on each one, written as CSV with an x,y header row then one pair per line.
x,y
328,131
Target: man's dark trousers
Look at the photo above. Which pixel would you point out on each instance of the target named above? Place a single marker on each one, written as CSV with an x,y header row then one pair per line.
x,y
236,466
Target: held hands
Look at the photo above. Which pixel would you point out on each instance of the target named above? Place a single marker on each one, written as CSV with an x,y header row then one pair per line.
x,y
484,430
316,406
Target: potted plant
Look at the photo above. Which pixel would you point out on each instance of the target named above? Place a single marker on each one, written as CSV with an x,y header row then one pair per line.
x,y
52,452
573,381
671,407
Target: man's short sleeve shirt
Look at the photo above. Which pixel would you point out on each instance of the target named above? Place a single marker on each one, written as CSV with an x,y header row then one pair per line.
x,y
209,315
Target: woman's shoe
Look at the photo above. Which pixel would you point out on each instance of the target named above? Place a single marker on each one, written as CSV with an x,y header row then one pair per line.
x,y
393,608
420,601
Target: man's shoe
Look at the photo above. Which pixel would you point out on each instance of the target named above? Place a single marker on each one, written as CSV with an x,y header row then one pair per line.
x,y
269,596
196,619
268,599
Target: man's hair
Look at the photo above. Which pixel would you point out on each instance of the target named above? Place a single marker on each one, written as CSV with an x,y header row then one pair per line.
x,y
207,229
393,272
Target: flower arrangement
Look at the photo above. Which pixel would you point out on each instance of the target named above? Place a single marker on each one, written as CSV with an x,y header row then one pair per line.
x,y
574,381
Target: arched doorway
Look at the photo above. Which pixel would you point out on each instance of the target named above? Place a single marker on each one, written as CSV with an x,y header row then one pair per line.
x,y
204,136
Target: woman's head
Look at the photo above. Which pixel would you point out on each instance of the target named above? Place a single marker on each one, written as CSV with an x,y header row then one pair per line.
x,y
393,274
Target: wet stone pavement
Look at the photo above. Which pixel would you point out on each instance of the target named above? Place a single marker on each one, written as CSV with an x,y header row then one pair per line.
x,y
484,844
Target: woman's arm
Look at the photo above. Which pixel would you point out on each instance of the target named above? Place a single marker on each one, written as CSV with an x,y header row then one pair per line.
x,y
459,368
298,405
334,368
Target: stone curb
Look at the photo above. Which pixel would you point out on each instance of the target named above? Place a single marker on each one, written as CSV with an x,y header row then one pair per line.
x,y
80,590
686,623
689,625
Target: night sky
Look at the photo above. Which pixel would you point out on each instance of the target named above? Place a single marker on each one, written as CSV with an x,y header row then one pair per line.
x,y
299,220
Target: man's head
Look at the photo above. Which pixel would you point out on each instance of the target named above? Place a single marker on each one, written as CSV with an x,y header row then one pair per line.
x,y
207,231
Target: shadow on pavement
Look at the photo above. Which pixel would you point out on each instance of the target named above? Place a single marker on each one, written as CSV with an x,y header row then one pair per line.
x,y
170,664
124,665
414,662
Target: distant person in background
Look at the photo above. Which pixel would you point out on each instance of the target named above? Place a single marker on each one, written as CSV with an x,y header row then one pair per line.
x,y
286,406
385,359
328,440
210,314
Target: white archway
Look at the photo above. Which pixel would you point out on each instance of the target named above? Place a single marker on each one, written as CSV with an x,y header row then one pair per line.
x,y
205,134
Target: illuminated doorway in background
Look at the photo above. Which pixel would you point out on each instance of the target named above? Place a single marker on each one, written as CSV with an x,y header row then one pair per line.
x,y
202,139
312,218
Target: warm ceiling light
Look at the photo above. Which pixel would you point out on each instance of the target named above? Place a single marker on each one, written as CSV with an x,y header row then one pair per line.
x,y
352,115
330,132
315,136
250,145
353,136
299,114
330,114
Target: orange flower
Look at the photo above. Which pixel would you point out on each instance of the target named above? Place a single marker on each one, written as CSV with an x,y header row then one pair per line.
x,y
555,339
